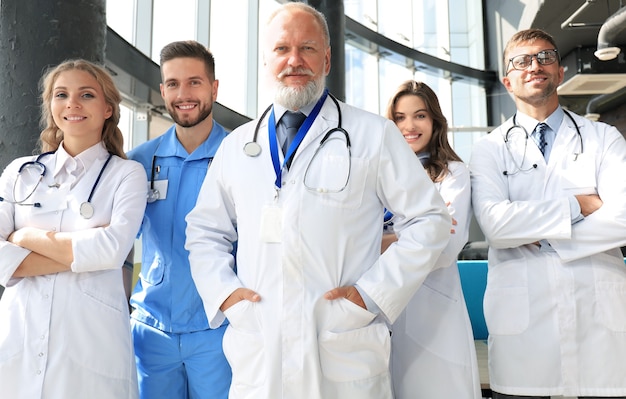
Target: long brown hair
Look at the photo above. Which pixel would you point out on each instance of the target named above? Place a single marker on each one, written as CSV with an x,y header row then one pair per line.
x,y
439,148
51,136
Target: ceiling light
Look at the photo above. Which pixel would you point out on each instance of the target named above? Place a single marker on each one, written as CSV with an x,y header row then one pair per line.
x,y
608,53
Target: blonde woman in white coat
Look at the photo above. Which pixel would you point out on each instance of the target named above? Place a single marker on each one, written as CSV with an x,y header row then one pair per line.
x,y
68,218
433,353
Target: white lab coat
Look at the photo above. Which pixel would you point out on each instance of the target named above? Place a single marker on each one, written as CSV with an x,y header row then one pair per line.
x,y
294,343
556,319
433,353
67,335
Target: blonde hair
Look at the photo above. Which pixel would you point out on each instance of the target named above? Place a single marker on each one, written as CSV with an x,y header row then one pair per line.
x,y
51,135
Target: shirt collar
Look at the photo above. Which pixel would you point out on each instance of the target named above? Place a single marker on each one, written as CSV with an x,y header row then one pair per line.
x,y
279,110
529,123
80,162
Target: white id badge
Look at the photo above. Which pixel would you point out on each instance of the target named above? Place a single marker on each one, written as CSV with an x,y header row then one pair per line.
x,y
271,223
161,187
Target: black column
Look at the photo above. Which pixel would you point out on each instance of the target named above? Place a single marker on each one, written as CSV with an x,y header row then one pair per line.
x,y
335,16
35,34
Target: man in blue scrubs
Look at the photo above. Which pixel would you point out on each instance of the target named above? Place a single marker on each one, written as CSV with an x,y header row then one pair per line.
x,y
178,355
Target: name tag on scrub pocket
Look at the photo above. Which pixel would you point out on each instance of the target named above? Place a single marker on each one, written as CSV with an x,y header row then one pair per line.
x,y
161,187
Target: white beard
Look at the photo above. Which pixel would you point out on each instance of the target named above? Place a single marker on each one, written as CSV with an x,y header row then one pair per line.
x,y
295,98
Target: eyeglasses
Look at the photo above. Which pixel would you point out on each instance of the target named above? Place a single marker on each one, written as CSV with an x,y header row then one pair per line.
x,y
523,61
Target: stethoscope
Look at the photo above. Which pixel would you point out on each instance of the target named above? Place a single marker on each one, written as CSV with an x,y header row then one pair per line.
x,y
518,166
86,208
253,149
153,193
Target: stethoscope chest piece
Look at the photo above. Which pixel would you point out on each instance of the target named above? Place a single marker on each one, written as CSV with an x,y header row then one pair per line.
x,y
86,210
252,149
153,195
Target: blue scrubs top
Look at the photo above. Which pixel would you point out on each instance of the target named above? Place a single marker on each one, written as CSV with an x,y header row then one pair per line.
x,y
165,296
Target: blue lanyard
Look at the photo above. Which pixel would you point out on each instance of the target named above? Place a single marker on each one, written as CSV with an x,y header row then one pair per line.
x,y
304,128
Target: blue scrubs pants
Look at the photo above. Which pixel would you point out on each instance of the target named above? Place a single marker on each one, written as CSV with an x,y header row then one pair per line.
x,y
180,366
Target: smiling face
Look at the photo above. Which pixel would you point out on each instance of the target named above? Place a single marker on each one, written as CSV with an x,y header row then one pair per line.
x,y
188,92
414,121
297,57
79,109
535,86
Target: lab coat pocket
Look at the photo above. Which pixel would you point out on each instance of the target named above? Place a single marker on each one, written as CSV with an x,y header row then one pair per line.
x,y
610,284
338,182
104,287
434,320
153,274
355,349
578,177
506,302
13,315
244,346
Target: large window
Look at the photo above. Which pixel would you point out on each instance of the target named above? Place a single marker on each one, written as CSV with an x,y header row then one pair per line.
x,y
232,41
451,30
361,79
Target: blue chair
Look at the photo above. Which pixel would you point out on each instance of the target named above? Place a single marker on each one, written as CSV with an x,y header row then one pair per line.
x,y
474,280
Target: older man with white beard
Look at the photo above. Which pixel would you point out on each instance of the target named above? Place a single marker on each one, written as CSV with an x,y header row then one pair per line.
x,y
310,296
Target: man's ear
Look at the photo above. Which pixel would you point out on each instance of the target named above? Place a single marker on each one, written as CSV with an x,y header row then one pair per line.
x,y
507,83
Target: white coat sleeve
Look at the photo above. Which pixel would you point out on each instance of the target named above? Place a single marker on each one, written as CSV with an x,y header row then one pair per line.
x,y
12,255
211,234
107,248
422,225
604,229
456,190
506,222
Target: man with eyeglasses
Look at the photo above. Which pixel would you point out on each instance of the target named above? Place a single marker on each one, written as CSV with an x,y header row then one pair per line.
x,y
548,190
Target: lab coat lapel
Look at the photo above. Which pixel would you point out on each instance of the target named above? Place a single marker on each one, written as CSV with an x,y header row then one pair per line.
x,y
565,144
327,115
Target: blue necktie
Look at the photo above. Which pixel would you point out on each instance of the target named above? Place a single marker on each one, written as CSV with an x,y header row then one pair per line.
x,y
291,122
539,137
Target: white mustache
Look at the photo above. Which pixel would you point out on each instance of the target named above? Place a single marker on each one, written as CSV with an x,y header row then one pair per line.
x,y
294,71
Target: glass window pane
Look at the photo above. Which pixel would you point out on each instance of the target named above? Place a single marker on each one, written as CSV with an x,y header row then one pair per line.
x,y
165,31
361,79
125,125
362,11
121,18
396,22
391,76
265,93
230,49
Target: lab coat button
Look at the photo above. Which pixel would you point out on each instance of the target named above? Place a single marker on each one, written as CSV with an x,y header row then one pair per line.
x,y
40,354
38,372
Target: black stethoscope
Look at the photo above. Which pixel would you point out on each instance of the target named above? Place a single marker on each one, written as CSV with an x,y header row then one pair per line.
x,y
533,166
153,192
86,208
253,149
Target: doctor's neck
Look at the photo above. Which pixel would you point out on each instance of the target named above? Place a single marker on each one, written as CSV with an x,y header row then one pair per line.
x,y
539,109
